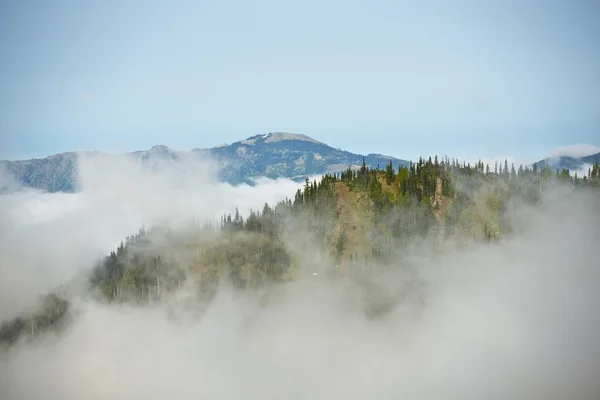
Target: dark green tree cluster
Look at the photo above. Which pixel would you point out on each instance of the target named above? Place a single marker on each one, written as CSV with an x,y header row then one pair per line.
x,y
137,271
49,316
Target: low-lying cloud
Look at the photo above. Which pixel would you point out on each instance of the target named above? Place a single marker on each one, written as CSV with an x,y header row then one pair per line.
x,y
575,150
515,320
46,238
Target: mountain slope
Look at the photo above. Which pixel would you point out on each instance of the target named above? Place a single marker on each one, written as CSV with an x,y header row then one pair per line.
x,y
53,174
273,155
568,162
58,173
280,154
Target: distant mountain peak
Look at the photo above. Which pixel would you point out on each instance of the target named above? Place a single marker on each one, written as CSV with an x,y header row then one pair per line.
x,y
272,155
280,136
160,148
275,137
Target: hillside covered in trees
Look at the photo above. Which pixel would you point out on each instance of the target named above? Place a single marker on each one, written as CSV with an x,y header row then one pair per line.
x,y
343,225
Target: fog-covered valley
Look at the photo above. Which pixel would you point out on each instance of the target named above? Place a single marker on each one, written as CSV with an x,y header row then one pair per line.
x,y
511,318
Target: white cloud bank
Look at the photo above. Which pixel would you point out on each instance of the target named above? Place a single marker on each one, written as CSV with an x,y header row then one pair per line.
x,y
575,150
46,238
517,320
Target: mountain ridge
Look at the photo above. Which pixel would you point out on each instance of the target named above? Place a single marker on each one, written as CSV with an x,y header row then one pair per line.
x,y
272,155
567,162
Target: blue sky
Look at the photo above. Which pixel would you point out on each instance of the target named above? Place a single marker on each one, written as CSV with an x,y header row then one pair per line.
x,y
463,78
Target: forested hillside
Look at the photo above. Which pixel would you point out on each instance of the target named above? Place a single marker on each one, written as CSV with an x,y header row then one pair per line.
x,y
343,225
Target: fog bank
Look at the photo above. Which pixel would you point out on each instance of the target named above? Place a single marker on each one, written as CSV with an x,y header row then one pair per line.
x,y
512,320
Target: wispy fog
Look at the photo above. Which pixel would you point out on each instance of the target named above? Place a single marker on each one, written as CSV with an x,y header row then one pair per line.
x,y
46,238
515,320
575,150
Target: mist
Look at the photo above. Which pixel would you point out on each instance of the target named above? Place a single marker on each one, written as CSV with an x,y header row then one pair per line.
x,y
510,320
46,238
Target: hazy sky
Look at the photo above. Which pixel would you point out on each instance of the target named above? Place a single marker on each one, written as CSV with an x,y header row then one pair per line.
x,y
400,78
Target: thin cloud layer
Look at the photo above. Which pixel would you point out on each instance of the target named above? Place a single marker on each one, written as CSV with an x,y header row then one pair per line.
x,y
575,150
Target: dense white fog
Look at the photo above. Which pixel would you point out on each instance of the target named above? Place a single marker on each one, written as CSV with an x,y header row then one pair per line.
x,y
516,320
45,238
